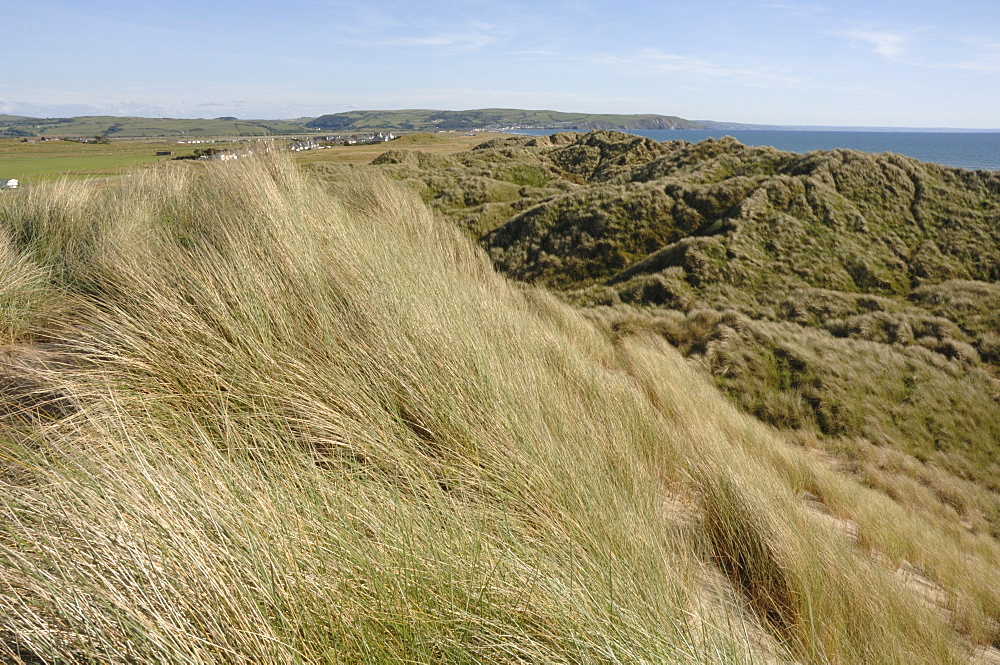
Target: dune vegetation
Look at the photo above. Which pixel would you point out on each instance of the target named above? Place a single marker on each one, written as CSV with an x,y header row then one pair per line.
x,y
849,300
251,413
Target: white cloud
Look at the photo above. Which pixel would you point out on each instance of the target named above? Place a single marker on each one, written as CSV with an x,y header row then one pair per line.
x,y
942,53
474,36
885,43
797,9
977,55
673,62
719,67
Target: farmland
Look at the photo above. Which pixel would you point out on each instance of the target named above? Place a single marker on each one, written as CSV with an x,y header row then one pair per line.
x,y
52,160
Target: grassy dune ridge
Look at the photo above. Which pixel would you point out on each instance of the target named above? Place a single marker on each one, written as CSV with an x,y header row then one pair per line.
x,y
246,418
847,299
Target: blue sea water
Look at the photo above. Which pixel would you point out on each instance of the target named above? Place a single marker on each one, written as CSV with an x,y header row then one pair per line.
x,y
967,150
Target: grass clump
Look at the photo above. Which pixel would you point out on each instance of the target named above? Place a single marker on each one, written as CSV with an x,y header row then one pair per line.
x,y
26,295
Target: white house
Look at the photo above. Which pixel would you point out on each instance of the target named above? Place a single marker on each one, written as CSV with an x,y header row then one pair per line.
x,y
10,183
303,145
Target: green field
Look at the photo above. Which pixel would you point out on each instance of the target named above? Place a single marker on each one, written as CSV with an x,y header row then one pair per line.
x,y
37,162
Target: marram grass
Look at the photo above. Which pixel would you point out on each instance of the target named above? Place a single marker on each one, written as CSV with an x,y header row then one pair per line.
x,y
297,425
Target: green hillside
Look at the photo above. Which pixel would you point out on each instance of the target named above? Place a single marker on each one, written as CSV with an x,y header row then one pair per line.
x,y
422,120
6,117
136,127
354,121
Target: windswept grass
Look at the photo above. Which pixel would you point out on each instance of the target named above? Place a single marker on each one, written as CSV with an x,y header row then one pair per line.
x,y
25,292
304,426
847,299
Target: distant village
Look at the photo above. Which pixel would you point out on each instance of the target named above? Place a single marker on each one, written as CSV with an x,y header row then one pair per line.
x,y
320,141
254,146
260,145
353,139
301,144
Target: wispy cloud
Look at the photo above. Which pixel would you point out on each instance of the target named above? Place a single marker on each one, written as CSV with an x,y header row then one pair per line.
x,y
492,97
174,107
798,9
719,67
474,36
976,55
886,43
122,108
232,104
673,62
916,48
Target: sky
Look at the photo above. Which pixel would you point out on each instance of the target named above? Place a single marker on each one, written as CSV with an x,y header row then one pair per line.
x,y
918,63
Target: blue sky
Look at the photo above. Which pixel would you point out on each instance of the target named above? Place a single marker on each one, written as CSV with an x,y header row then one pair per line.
x,y
919,63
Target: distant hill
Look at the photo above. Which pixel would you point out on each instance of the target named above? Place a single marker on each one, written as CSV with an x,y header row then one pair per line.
x,y
494,119
354,121
411,120
137,127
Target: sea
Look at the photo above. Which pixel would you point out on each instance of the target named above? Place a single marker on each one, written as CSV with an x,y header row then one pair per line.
x,y
967,150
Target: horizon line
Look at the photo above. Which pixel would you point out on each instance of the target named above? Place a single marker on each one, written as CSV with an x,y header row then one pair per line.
x,y
735,125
